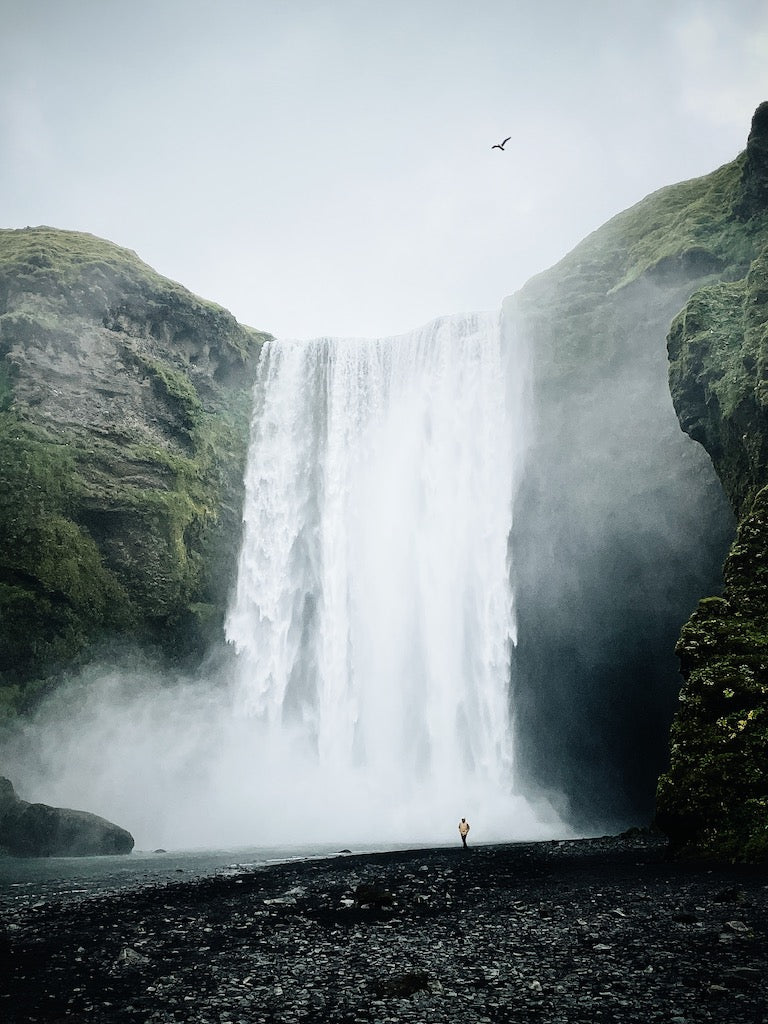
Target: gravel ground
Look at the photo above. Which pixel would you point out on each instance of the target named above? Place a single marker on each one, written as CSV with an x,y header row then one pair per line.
x,y
588,930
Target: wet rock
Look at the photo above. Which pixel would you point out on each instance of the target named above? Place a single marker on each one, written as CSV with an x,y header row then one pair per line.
x,y
130,958
736,926
403,985
373,896
39,830
754,182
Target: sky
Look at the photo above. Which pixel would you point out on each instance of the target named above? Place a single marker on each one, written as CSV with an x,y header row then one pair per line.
x,y
324,167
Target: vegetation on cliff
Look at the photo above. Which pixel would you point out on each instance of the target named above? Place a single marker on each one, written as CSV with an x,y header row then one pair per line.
x,y
699,250
620,524
124,411
713,801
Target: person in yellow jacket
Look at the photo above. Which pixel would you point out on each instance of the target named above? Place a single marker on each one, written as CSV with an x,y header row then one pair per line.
x,y
463,829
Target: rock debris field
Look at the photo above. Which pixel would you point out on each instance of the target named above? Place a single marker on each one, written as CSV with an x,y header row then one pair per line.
x,y
585,930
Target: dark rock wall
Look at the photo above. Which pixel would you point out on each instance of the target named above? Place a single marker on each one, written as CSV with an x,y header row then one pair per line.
x,y
124,411
713,800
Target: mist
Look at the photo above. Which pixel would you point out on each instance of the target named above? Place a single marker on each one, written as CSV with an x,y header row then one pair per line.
x,y
171,760
621,526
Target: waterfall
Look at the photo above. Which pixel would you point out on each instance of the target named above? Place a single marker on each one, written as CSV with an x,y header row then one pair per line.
x,y
373,617
371,626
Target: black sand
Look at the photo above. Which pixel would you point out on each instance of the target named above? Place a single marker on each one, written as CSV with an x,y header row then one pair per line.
x,y
592,931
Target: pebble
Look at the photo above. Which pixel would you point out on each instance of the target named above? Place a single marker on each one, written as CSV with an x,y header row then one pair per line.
x,y
576,932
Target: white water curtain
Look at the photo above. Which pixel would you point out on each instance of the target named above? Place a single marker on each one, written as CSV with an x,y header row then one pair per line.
x,y
373,617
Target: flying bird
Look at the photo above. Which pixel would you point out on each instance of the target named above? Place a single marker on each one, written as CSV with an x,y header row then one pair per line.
x,y
501,145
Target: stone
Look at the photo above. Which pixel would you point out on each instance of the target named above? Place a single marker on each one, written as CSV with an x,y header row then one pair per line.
x,y
754,182
129,957
40,830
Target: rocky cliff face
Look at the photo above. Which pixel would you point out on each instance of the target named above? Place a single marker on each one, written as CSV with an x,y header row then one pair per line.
x,y
621,525
124,409
714,799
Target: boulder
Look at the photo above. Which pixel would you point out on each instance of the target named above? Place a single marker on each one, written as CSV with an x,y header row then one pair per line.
x,y
39,830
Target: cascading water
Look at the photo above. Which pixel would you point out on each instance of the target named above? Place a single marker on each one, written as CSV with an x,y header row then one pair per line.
x,y
373,617
371,627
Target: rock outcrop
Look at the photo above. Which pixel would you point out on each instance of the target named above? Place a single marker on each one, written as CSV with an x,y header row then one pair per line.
x,y
713,801
753,195
124,417
38,830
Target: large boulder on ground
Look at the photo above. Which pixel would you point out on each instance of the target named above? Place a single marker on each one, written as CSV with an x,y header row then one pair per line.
x,y
39,830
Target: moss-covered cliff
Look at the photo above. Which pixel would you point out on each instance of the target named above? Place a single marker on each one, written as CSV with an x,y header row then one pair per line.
x,y
621,524
714,799
124,409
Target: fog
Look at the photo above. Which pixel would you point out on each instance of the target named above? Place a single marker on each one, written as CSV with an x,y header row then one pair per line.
x,y
621,526
172,761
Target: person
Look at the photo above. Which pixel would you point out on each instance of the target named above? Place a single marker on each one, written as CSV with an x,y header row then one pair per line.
x,y
463,829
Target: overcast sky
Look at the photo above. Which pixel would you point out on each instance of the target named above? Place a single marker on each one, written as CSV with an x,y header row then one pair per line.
x,y
325,166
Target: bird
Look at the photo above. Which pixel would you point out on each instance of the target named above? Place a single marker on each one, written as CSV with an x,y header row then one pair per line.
x,y
501,145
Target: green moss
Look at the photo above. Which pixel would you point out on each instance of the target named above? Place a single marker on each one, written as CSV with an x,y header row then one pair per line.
x,y
178,388
180,391
685,230
75,266
718,350
6,388
712,800
121,522
56,595
49,275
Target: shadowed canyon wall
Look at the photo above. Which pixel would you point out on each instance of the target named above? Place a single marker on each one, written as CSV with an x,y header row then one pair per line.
x,y
622,525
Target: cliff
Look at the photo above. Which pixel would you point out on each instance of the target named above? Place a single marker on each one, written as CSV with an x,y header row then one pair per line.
x,y
713,800
621,524
124,410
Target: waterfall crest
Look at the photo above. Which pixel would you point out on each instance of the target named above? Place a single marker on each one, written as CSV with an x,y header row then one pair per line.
x,y
373,617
